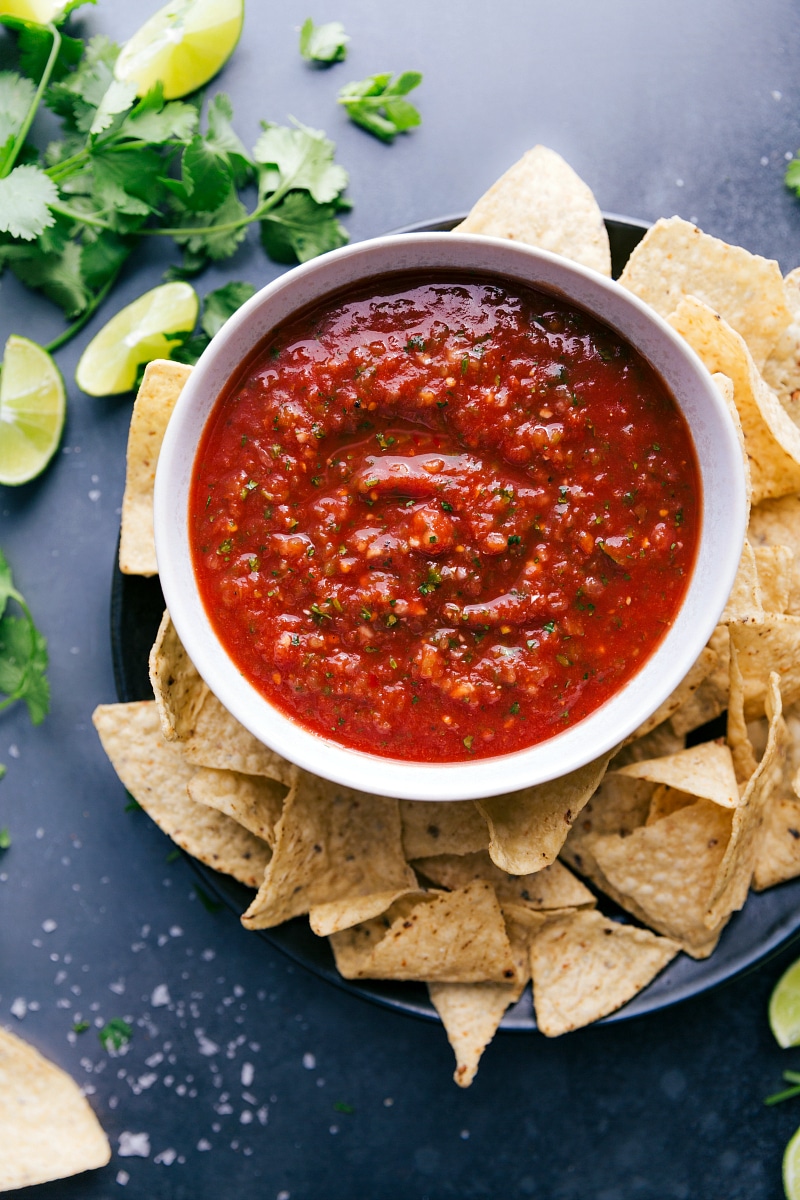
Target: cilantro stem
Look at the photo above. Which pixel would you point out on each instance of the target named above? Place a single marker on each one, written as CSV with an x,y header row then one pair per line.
x,y
19,140
78,325
82,218
202,230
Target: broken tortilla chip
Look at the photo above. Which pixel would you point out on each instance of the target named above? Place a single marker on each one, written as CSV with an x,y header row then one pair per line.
x,y
157,778
542,202
160,387
586,966
49,1129
676,259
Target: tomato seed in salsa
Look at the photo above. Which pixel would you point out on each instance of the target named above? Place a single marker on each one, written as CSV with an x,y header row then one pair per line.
x,y
444,521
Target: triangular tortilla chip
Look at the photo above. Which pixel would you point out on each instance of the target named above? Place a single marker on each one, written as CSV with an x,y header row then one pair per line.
x,y
529,827
664,873
331,843
542,202
472,1012
782,368
444,937
442,827
197,724
691,683
744,602
585,966
777,523
157,778
160,387
773,645
774,568
710,699
675,259
705,770
49,1130
658,743
254,801
553,887
771,438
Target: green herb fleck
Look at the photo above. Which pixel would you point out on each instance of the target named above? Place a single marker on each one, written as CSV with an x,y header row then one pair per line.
x,y
378,103
115,1034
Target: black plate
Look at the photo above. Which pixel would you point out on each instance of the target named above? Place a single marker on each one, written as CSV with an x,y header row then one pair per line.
x,y
764,924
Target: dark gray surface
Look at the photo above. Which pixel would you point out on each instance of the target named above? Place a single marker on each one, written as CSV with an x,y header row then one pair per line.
x,y
665,107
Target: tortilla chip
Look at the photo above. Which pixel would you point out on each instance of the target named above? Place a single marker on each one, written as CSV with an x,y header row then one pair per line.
x,y
528,828
675,259
445,937
782,368
691,683
744,602
658,743
336,915
472,1012
542,202
664,873
586,966
620,805
736,870
157,778
161,385
774,568
725,387
771,438
442,827
331,843
777,523
49,1130
666,800
710,699
703,771
195,721
253,801
738,737
553,887
778,856
771,646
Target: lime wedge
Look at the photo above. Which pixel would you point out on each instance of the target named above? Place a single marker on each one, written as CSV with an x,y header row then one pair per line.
x,y
33,405
137,334
784,1007
183,45
791,1168
40,11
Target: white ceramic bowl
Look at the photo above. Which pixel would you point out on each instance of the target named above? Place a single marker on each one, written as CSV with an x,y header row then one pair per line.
x,y
723,512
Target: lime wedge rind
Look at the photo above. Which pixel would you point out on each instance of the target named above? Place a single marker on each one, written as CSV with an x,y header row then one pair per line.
x,y
183,45
137,334
33,407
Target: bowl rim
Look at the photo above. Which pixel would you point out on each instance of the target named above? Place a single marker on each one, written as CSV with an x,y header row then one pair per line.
x,y
724,501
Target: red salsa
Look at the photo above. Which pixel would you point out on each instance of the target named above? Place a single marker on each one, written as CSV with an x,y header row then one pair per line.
x,y
445,520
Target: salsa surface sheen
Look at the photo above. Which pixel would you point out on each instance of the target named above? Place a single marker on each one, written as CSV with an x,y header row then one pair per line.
x,y
443,519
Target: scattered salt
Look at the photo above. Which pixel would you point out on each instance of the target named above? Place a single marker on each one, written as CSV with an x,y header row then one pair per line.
x,y
134,1145
309,1062
160,996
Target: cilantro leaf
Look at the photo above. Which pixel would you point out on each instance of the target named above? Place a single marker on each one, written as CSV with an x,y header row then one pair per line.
x,y
300,229
377,103
23,653
35,43
118,98
17,94
323,43
303,159
156,122
25,196
77,97
792,176
115,1034
221,138
217,307
5,836
207,176
223,303
214,234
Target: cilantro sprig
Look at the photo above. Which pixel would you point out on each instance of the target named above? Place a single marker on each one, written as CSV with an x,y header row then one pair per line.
x,y
323,43
23,653
126,169
378,103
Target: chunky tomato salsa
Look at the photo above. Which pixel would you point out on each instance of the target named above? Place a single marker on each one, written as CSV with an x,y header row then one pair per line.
x,y
443,519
